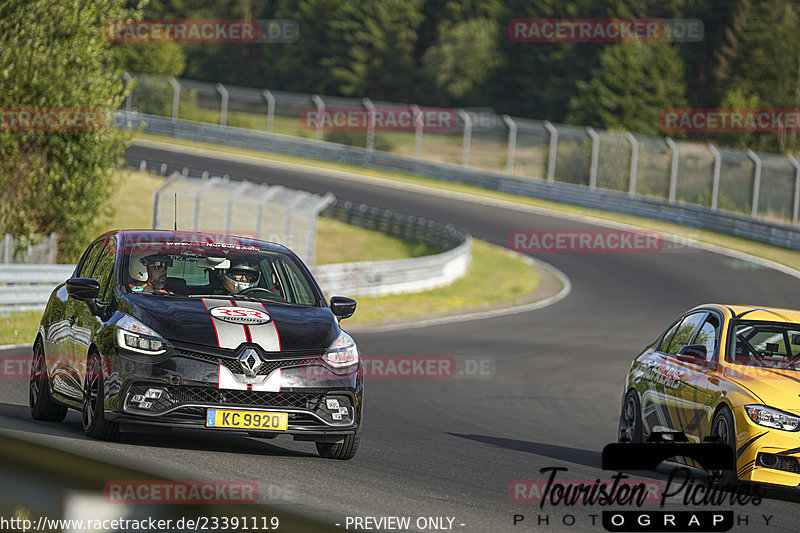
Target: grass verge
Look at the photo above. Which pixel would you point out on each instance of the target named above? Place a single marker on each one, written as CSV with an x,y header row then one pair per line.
x,y
495,277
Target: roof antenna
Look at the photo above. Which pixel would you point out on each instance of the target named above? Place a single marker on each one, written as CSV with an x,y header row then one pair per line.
x,y
175,212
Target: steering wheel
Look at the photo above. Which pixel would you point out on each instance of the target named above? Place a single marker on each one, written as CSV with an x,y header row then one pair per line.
x,y
254,289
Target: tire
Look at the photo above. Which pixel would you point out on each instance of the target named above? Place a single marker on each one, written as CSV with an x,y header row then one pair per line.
x,y
343,450
41,403
93,418
630,419
723,427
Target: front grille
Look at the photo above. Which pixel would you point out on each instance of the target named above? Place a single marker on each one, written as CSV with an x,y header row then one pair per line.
x,y
267,367
179,395
287,400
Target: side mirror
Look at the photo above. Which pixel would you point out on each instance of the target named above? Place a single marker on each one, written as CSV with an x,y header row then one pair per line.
x,y
83,288
693,353
343,307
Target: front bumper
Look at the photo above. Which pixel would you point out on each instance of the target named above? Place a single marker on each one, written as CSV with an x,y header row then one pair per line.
x,y
766,455
189,385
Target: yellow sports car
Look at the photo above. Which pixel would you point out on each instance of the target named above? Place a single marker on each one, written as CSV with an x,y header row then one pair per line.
x,y
725,371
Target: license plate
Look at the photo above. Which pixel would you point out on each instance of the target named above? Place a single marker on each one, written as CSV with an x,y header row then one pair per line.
x,y
219,418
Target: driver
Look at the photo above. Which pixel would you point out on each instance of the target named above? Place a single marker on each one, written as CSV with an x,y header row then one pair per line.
x,y
148,272
241,276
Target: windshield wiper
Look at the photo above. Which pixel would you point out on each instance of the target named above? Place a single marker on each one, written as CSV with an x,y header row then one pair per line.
x,y
246,297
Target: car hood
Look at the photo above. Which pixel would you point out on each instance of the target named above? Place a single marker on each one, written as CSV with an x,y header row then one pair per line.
x,y
189,320
776,388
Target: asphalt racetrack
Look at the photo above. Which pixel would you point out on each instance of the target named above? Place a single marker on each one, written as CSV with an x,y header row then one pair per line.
x,y
451,447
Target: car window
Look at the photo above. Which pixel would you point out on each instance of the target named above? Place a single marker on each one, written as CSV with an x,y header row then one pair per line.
x,y
668,336
707,336
685,332
302,293
90,258
765,344
104,267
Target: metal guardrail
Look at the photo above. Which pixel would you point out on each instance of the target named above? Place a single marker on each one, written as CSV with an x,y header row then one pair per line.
x,y
378,278
690,215
26,287
375,278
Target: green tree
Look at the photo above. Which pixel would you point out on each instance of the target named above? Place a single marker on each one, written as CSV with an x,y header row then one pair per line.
x,y
373,46
162,59
53,54
464,57
634,83
765,62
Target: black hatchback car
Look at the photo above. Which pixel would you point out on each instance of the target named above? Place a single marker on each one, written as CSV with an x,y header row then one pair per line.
x,y
192,330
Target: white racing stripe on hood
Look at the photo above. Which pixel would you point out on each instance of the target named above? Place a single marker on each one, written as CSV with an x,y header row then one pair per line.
x,y
265,335
229,335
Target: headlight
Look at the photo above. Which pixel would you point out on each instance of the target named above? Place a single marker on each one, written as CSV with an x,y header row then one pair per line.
x,y
134,336
343,352
772,418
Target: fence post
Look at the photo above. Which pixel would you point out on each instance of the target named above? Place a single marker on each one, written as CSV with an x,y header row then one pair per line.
x,y
129,96
595,156
551,157
176,97
634,162
223,106
467,136
673,171
267,94
8,246
512,143
418,127
715,182
756,181
143,165
196,216
266,195
229,204
366,102
53,248
320,103
796,203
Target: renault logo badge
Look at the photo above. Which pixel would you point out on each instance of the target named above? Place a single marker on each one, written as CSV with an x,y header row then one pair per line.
x,y
250,362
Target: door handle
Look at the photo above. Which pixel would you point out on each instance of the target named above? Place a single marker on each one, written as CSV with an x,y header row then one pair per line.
x,y
71,321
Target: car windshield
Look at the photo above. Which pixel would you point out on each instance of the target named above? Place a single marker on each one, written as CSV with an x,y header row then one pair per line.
x,y
765,345
209,270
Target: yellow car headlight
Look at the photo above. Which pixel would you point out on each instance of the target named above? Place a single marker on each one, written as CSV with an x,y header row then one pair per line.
x,y
772,418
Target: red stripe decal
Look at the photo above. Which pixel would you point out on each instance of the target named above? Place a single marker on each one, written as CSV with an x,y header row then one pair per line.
x,y
216,335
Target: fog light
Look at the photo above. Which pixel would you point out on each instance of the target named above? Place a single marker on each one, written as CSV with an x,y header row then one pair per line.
x,y
332,404
146,405
343,410
336,416
153,394
138,398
